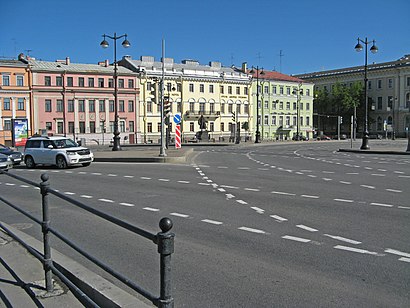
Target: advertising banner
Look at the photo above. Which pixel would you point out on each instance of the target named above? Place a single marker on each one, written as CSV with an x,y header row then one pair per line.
x,y
20,132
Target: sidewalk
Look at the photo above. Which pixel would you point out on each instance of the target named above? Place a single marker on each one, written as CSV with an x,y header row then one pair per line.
x,y
382,147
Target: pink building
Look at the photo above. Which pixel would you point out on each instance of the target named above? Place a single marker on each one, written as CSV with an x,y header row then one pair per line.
x,y
77,100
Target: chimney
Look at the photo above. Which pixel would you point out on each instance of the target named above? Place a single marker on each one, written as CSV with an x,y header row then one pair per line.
x,y
67,60
107,63
244,67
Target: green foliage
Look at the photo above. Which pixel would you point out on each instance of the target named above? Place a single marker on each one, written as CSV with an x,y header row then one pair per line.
x,y
245,126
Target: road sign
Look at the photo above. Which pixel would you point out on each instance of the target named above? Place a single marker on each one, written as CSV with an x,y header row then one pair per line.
x,y
177,118
177,136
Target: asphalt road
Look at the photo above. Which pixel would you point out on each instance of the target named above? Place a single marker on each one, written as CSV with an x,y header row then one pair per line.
x,y
296,225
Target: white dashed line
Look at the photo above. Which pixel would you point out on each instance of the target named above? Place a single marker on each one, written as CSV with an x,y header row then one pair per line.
x,y
357,250
258,210
69,193
179,215
381,204
150,209
241,202
230,196
96,173
343,182
309,196
213,222
106,200
307,228
343,200
127,204
278,218
404,259
343,239
113,175
221,189
184,182
145,178
297,239
368,186
231,187
397,252
252,230
282,193
128,176
163,180
404,207
251,189
394,190
86,196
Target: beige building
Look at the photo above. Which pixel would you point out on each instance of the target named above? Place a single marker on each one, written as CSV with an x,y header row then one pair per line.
x,y
194,91
388,90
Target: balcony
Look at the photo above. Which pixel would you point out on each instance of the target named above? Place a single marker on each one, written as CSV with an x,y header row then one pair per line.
x,y
208,115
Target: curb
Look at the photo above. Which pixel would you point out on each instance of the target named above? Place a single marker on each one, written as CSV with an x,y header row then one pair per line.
x,y
374,152
100,290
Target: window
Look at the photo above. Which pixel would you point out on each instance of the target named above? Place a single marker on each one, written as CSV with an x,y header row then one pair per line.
x,y
238,90
47,81
274,105
6,80
149,127
281,105
59,127
273,120
202,107
82,127
266,89
245,90
111,83
69,81
191,87
92,127
287,91
191,126
111,106
211,88
101,82
179,87
390,83
201,88
281,90
70,105
159,127
380,103
59,81
307,92
369,84
238,109
101,103
120,83
230,109
246,109
266,120
274,89
307,106
295,106
229,89
122,126
91,105
266,105
91,82
130,106
81,105
301,121
121,107
212,108
20,80
59,106
221,88
294,121
222,108
7,124
20,104
81,81
191,106
307,121
149,107
47,107
131,126
71,127
211,126
379,84
130,83
287,105
287,120
222,127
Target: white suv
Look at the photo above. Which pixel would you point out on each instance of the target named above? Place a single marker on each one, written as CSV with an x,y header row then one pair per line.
x,y
59,151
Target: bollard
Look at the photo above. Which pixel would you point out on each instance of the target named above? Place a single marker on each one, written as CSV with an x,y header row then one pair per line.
x,y
44,185
165,248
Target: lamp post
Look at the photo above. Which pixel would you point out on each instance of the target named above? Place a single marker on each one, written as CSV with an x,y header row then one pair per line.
x,y
373,49
298,94
393,133
116,145
258,133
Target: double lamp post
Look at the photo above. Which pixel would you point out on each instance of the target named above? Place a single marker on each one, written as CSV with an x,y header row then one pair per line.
x,y
258,133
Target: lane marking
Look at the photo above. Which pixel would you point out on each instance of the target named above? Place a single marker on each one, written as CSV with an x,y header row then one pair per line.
x,y
179,215
404,207
127,204
227,186
404,259
297,239
96,173
241,202
252,230
394,190
145,178
352,249
307,228
309,196
343,239
326,179
381,204
150,209
282,193
86,196
69,193
397,252
278,218
221,189
229,196
128,176
213,222
378,174
106,200
343,200
258,210
368,186
163,180
184,182
343,182
110,174
251,189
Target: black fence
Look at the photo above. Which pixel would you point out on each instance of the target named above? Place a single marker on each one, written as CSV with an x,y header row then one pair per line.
x,y
164,241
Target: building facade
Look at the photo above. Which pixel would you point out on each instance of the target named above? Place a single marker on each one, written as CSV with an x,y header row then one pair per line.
x,y
285,105
77,100
209,91
388,92
14,97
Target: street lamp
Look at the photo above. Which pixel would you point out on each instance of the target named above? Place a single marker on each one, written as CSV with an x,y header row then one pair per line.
x,y
373,49
258,133
104,44
298,94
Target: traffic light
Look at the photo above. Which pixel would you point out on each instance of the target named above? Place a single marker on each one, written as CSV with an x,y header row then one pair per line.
x,y
152,92
167,106
233,117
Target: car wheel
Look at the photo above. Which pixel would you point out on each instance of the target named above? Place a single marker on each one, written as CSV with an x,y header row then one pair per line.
x,y
86,164
61,162
29,162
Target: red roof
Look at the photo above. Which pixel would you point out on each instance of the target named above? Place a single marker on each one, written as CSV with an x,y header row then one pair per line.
x,y
273,75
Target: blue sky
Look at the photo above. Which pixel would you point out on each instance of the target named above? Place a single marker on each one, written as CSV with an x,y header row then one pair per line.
x,y
313,34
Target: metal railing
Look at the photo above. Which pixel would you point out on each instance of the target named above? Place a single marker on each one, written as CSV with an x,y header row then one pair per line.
x,y
164,241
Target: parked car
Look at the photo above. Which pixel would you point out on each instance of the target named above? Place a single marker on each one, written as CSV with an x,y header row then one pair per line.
x,y
5,162
59,151
15,156
323,137
300,138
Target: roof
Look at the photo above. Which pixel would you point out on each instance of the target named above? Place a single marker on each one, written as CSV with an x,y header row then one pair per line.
x,y
10,62
273,75
39,66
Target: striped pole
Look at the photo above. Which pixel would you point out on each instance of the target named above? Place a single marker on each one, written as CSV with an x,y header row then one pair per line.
x,y
178,136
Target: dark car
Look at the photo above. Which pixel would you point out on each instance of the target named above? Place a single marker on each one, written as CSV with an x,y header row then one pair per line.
x,y
15,156
299,138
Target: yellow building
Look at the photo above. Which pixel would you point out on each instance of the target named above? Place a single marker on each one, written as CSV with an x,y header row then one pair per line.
x,y
212,92
14,98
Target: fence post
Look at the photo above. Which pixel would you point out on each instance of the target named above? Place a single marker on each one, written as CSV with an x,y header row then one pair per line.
x,y
165,248
44,185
